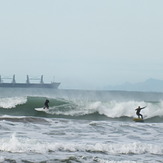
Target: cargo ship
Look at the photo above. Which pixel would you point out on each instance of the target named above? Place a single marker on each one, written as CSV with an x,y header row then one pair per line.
x,y
28,84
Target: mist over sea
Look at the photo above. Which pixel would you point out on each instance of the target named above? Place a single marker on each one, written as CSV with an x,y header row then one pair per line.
x,y
80,126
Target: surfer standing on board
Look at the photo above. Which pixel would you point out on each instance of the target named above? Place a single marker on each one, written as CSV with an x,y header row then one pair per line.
x,y
138,111
46,104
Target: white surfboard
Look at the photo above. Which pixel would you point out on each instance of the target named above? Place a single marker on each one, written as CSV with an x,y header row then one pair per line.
x,y
42,109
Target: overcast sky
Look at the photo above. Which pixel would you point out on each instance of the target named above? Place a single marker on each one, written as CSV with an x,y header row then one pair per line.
x,y
84,44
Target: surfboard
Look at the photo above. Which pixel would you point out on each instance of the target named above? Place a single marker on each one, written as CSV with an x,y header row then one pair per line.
x,y
41,109
138,120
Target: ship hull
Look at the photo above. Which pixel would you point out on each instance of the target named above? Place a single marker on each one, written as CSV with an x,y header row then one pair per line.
x,y
30,85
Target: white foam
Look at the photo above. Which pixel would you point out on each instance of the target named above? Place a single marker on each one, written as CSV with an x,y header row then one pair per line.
x,y
115,109
22,145
11,102
154,109
106,161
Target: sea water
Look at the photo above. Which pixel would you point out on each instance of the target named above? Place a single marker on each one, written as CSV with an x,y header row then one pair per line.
x,y
80,127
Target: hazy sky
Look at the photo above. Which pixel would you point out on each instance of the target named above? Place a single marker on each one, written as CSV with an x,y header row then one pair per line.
x,y
83,43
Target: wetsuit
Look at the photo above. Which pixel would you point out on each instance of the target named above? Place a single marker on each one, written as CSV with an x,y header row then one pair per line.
x,y
46,104
138,112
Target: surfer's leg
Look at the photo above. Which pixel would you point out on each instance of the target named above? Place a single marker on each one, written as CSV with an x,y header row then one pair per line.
x,y
140,116
137,115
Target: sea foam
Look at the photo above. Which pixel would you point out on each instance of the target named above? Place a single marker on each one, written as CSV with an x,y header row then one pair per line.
x,y
22,145
12,102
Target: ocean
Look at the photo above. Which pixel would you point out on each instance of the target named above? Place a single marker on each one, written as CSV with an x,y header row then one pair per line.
x,y
80,126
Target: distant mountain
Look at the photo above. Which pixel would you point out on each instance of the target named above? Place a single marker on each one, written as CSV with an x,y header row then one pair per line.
x,y
150,85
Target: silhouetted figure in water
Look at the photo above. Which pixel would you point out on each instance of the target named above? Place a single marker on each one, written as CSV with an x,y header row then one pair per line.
x,y
46,104
138,111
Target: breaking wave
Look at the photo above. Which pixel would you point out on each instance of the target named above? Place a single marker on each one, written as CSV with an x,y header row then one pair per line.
x,y
22,145
81,109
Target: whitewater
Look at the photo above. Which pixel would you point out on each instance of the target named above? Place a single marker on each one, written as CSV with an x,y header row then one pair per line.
x,y
80,126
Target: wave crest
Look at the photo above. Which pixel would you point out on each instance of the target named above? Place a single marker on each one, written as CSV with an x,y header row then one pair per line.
x,y
23,106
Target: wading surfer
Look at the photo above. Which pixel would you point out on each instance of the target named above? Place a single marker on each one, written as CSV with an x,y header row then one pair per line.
x,y
46,104
138,111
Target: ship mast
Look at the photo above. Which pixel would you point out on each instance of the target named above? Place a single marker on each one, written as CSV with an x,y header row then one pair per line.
x,y
13,79
27,81
42,81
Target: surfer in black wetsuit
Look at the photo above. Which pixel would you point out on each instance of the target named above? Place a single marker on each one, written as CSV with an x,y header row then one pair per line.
x,y
46,104
138,112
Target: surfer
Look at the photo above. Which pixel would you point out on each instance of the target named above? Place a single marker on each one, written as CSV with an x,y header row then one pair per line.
x,y
46,104
138,111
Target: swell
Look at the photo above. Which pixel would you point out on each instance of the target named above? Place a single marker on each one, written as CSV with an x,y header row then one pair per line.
x,y
80,109
25,106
